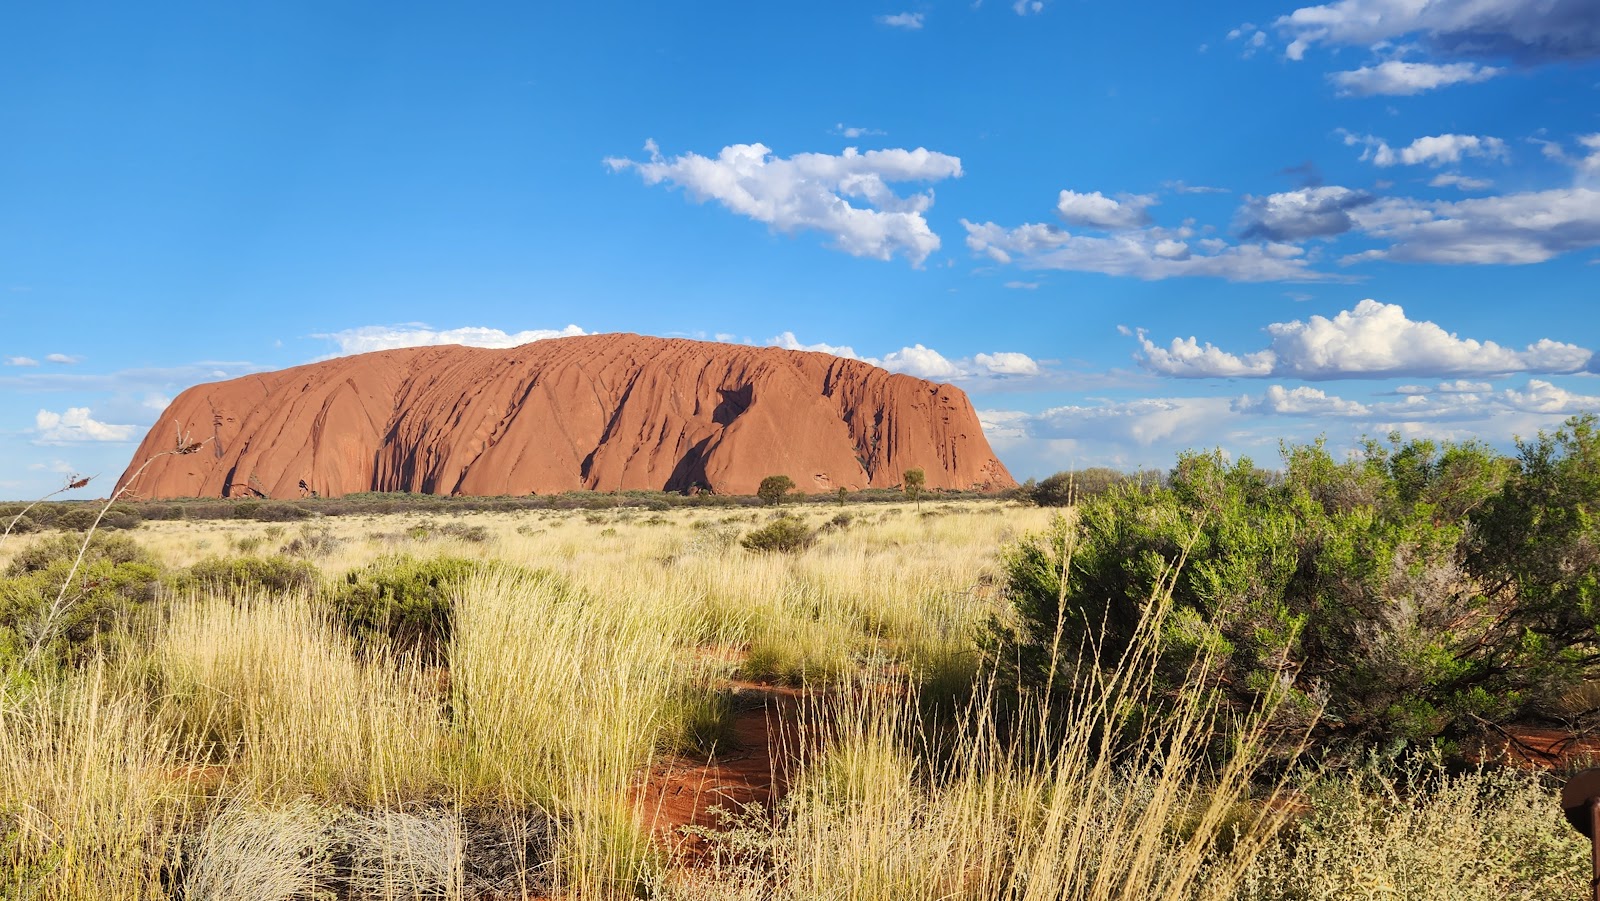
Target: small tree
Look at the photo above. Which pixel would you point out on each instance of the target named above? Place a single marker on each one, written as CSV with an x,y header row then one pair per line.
x,y
773,488
844,495
915,478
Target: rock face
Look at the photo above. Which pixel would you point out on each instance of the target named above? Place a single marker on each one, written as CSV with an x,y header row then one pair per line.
x,y
601,412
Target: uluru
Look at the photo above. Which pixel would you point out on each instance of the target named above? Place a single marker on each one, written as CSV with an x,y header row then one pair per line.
x,y
597,412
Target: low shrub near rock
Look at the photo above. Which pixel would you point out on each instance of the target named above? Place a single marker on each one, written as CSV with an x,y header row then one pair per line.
x,y
313,543
272,574
403,601
784,535
116,579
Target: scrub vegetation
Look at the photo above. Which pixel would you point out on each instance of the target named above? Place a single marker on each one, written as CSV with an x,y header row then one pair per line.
x,y
1317,681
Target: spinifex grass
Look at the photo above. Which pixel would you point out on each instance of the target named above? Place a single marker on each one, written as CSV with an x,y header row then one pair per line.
x,y
267,686
1078,799
564,697
250,731
93,792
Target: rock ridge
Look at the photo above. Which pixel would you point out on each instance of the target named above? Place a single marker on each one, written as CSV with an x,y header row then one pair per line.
x,y
597,412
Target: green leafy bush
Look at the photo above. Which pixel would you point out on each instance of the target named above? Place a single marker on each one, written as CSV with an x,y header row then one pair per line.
x,y
1415,592
773,489
403,601
276,575
785,535
271,512
116,579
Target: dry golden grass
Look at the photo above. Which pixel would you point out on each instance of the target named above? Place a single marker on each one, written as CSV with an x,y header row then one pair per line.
x,y
244,746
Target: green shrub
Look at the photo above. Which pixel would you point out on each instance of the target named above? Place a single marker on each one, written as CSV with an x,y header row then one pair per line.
x,y
403,601
42,554
272,574
773,489
77,518
785,535
271,512
1066,488
1389,591
116,579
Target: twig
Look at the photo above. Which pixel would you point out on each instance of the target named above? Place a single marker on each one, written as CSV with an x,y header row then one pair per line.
x,y
74,482
58,609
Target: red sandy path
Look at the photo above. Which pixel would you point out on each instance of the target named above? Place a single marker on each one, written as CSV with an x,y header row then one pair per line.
x,y
681,792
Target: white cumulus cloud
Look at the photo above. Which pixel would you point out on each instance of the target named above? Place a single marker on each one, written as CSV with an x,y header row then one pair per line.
x,y
788,341
21,361
1007,363
1302,401
368,338
76,425
1431,150
925,362
1317,212
1095,210
815,191
1373,340
1186,358
922,362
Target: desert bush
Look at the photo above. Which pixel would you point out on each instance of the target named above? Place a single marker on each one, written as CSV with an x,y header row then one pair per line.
x,y
116,579
403,602
271,574
1341,583
1422,834
475,534
312,542
784,535
773,489
271,512
79,517
1066,488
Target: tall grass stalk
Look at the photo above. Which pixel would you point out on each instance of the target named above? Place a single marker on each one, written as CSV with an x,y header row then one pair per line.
x,y
268,687
564,699
1089,800
94,794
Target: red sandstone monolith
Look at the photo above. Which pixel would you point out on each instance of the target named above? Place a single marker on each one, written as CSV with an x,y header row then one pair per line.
x,y
599,412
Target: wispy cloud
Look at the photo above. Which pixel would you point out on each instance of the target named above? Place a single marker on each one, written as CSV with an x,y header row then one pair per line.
x,y
909,21
368,338
1397,78
855,131
927,363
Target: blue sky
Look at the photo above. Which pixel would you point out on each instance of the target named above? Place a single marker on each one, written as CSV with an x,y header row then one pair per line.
x,y
1123,229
